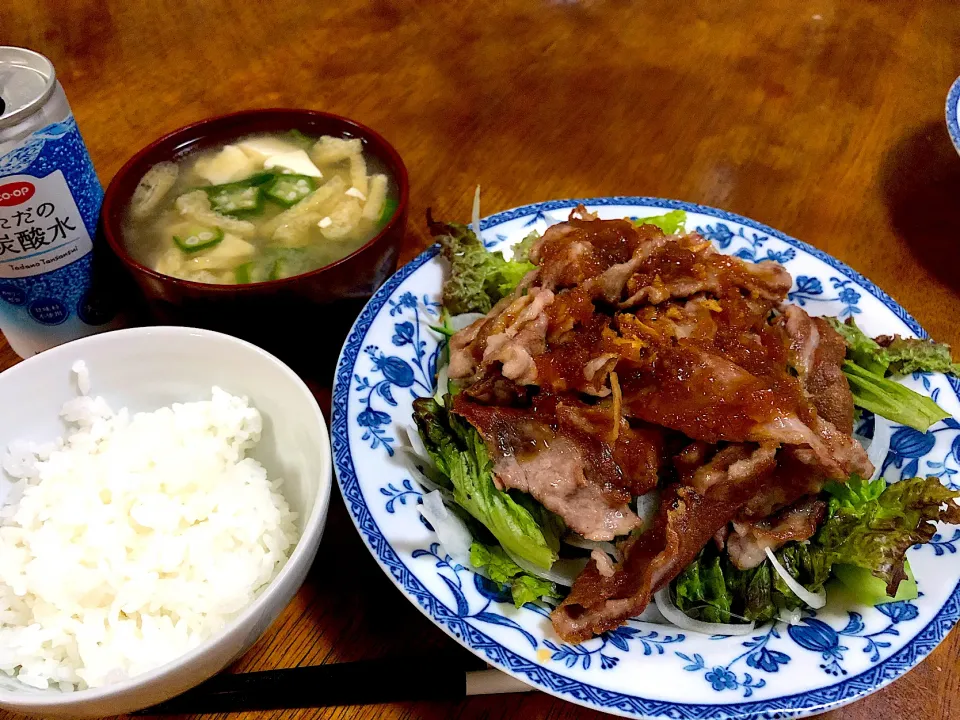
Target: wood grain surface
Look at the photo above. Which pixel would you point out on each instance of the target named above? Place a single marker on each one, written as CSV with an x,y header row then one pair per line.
x,y
823,119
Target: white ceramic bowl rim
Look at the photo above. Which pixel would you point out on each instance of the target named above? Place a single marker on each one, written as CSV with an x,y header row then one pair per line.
x,y
309,537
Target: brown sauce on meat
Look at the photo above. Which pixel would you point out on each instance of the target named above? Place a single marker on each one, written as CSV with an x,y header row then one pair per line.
x,y
658,361
562,366
584,249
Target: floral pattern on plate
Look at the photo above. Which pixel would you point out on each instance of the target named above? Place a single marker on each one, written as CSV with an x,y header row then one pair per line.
x,y
829,658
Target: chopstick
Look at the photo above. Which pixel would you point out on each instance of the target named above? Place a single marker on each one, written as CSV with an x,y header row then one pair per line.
x,y
356,683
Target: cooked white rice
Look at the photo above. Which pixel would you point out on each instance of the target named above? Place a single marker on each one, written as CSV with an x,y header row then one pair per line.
x,y
135,539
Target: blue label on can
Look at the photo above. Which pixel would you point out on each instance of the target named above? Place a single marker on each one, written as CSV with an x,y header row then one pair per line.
x,y
48,311
50,201
12,294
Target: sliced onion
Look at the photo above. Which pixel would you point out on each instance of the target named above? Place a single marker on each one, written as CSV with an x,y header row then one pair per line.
x,y
652,614
563,572
578,541
791,617
415,443
880,445
451,530
676,616
459,322
814,600
647,507
414,456
443,384
476,214
410,461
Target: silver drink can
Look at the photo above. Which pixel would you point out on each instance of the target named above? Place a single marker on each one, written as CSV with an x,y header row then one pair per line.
x,y
49,204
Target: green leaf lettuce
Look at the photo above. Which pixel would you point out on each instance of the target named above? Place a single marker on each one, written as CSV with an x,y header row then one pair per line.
x,y
461,454
895,355
910,355
671,223
890,399
498,566
478,278
869,363
872,525
869,529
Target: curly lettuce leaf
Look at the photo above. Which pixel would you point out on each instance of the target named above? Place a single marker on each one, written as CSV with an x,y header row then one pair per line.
x,y
498,566
873,526
910,355
461,455
671,223
894,355
869,363
854,495
863,543
521,251
478,278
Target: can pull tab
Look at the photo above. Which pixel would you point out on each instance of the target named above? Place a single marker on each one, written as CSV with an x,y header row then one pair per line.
x,y
3,106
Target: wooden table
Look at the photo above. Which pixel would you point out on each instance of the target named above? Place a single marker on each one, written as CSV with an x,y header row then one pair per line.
x,y
824,120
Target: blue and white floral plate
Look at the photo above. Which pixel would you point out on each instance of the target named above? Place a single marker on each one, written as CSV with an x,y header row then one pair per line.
x,y
830,658
953,113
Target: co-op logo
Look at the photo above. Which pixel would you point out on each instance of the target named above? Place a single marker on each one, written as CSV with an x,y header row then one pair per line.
x,y
16,192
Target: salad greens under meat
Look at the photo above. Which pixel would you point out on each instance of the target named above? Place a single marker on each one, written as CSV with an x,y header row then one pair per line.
x,y
625,415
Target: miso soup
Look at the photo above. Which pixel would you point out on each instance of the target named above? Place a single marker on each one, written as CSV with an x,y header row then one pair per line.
x,y
264,207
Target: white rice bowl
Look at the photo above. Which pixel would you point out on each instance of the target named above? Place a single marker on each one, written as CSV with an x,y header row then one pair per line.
x,y
93,600
134,539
